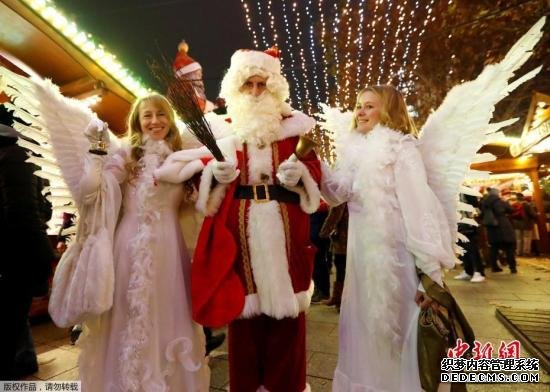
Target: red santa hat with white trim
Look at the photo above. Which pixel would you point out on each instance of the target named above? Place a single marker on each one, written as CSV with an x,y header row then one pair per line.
x,y
246,63
183,63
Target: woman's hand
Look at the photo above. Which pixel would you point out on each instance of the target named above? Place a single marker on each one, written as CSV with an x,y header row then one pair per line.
x,y
424,301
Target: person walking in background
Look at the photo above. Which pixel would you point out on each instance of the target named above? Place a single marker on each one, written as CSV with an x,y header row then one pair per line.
x,y
321,266
500,232
471,258
26,251
523,219
336,228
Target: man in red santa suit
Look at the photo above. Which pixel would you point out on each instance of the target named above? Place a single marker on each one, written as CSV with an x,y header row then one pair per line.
x,y
253,262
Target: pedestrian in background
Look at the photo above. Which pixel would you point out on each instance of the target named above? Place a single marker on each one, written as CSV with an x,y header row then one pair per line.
x,y
26,251
500,232
523,219
336,228
321,266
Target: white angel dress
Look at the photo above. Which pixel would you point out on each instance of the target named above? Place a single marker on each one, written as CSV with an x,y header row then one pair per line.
x,y
147,341
395,223
403,198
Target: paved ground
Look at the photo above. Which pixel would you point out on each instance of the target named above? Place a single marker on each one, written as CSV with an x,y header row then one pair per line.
x,y
530,288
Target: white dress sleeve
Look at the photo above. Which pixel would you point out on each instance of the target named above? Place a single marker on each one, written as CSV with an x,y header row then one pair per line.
x,y
335,187
427,232
110,169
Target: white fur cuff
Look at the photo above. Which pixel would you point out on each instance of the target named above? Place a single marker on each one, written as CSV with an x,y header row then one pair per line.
x,y
209,200
252,306
310,196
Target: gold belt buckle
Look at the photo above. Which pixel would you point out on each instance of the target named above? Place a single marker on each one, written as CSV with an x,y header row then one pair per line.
x,y
255,193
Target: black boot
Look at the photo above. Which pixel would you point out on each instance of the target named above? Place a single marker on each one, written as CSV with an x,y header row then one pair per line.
x,y
213,341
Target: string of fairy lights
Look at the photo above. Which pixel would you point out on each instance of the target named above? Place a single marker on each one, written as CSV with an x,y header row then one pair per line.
x,y
83,40
332,48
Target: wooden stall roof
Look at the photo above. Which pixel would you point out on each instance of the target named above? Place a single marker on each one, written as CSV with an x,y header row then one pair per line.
x,y
24,35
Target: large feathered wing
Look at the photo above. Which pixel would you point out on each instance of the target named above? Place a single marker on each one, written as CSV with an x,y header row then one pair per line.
x,y
453,134
336,123
56,126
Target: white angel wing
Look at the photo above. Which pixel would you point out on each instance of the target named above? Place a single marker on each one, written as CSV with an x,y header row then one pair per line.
x,y
459,127
56,126
336,124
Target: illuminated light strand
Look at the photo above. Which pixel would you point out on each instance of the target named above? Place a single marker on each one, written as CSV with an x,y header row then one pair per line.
x,y
360,49
261,27
397,40
387,27
290,47
371,42
313,57
429,18
450,36
347,61
303,64
272,24
335,30
249,23
84,41
324,54
402,84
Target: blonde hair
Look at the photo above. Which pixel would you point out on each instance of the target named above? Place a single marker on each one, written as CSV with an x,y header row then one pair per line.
x,y
393,112
134,133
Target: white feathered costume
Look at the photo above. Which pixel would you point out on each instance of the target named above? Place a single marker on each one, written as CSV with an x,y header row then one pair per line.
x,y
139,335
402,195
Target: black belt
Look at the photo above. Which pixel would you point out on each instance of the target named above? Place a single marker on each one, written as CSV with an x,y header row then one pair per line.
x,y
263,193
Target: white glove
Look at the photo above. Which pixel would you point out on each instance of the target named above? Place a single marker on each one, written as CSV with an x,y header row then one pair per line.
x,y
97,132
225,172
290,172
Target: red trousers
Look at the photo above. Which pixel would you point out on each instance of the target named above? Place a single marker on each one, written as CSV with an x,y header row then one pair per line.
x,y
269,352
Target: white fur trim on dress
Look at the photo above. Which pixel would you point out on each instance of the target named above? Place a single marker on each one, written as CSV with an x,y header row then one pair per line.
x,y
310,196
192,67
267,246
252,303
367,161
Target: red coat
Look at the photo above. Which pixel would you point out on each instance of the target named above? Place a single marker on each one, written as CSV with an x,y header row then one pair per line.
x,y
224,269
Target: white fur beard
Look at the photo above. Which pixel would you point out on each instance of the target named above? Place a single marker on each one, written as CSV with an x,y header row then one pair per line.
x,y
256,120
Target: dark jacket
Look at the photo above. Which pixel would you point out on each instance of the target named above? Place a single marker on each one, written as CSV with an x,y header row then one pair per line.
x,y
336,227
503,232
27,253
529,217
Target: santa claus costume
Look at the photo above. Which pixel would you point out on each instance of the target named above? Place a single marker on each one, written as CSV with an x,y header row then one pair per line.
x,y
253,261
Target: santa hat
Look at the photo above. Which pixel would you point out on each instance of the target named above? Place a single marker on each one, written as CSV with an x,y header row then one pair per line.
x,y
267,60
183,63
246,63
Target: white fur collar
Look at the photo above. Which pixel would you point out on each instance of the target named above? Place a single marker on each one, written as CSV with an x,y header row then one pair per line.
x,y
296,125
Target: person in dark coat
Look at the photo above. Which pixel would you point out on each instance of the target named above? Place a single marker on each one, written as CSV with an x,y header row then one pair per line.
x,y
321,270
523,220
500,232
26,252
336,228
